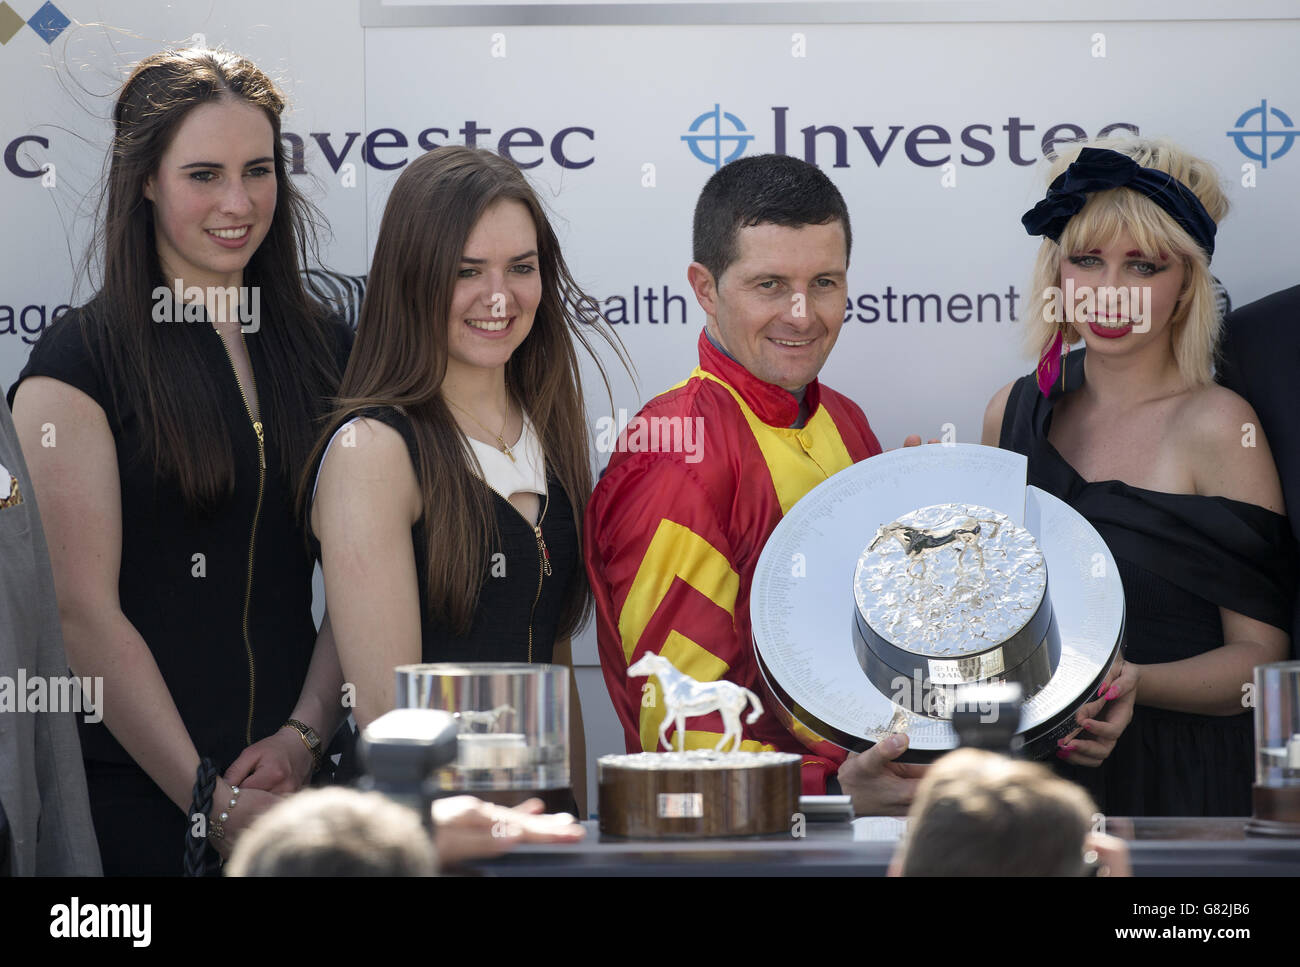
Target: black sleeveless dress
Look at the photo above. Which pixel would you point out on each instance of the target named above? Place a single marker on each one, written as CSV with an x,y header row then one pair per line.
x,y
520,599
523,593
1181,557
232,641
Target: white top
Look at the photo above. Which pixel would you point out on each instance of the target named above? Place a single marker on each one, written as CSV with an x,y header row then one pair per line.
x,y
526,473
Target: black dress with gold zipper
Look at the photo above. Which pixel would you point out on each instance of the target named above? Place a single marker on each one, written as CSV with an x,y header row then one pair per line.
x,y
223,598
519,604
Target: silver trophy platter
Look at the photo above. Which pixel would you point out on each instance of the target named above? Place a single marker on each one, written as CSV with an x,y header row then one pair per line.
x,y
837,673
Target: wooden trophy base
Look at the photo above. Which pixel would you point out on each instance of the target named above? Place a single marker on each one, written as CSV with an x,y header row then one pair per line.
x,y
698,794
1277,812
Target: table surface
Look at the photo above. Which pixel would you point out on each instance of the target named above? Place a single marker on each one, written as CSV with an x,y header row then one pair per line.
x,y
1182,846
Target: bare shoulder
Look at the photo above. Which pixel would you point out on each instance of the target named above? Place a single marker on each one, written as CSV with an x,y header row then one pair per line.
x,y
993,415
1215,421
39,399
72,460
65,435
1230,456
367,466
368,448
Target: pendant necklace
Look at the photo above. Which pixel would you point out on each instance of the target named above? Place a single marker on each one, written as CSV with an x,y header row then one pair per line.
x,y
500,436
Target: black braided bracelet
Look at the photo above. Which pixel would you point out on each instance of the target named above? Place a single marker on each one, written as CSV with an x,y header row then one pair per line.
x,y
197,862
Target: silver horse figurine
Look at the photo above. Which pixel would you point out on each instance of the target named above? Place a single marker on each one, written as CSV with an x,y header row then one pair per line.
x,y
919,541
685,697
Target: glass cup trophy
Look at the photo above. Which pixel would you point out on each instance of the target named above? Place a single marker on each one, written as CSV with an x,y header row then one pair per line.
x,y
513,728
1277,750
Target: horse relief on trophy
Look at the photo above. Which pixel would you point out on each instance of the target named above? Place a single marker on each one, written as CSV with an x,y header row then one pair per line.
x,y
951,595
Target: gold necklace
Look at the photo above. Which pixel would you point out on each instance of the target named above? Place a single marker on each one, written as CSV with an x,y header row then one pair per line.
x,y
500,436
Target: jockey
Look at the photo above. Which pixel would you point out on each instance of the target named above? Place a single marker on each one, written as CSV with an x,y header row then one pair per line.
x,y
672,535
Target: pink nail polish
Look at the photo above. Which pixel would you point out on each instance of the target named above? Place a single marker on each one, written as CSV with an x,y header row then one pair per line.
x,y
1062,754
1113,693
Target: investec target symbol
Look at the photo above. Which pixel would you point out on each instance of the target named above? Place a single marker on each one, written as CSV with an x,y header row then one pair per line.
x,y
700,136
1288,133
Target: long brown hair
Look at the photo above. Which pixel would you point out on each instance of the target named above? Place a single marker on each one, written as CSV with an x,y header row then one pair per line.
x,y
400,359
159,366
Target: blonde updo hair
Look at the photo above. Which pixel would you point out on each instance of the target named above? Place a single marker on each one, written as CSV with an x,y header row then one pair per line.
x,y
1107,215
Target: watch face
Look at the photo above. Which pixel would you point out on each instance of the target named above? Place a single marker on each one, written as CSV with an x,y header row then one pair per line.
x,y
307,732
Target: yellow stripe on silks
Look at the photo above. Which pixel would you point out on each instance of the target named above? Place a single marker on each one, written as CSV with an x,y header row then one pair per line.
x,y
806,735
689,659
798,460
707,740
675,552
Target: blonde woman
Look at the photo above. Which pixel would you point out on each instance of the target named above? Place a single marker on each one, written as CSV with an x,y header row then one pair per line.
x,y
1130,430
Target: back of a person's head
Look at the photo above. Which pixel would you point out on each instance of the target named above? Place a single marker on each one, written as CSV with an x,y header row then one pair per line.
x,y
978,813
335,832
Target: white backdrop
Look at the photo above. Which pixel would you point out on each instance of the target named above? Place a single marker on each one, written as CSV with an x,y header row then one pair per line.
x,y
975,84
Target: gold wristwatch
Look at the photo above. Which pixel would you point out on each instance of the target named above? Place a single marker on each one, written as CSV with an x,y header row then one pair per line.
x,y
310,739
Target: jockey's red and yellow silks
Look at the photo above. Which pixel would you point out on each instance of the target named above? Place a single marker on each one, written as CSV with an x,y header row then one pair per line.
x,y
674,529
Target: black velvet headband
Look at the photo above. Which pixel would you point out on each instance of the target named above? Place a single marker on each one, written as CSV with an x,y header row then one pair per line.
x,y
1098,169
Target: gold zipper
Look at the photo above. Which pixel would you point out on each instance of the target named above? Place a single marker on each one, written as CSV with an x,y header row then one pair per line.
x,y
543,565
252,535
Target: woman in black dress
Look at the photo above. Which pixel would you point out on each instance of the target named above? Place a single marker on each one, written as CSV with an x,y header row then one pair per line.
x,y
1170,469
454,473
166,424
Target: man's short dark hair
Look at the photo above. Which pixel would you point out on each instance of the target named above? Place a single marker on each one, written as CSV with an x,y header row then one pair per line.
x,y
767,188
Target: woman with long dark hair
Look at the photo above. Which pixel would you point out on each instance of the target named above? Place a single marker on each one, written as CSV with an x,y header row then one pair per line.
x,y
455,473
166,423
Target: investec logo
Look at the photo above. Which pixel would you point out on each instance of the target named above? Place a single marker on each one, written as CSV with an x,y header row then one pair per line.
x,y
717,136
1248,131
47,22
388,149
385,149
